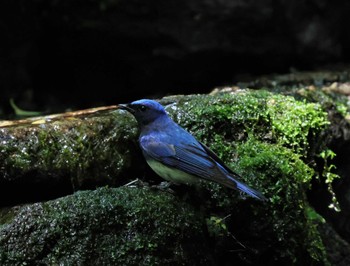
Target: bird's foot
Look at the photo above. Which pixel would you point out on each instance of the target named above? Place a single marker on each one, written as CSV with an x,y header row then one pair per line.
x,y
164,186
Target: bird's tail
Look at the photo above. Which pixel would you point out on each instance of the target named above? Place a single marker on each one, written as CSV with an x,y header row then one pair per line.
x,y
250,191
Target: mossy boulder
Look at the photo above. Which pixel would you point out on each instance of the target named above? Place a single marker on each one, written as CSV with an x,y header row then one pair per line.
x,y
275,142
122,226
46,157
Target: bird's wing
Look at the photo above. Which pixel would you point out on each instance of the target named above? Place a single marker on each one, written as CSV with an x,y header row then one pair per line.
x,y
190,158
233,176
196,160
217,159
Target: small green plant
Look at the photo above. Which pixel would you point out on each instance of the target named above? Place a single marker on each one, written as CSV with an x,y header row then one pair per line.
x,y
327,155
216,226
22,113
342,109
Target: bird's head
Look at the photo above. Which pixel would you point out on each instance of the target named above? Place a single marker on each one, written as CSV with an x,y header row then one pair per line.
x,y
145,111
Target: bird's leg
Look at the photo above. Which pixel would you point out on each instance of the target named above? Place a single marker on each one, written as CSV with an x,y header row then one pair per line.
x,y
137,183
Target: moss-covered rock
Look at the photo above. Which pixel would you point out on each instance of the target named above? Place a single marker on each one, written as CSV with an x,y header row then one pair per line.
x,y
64,153
84,145
274,142
124,226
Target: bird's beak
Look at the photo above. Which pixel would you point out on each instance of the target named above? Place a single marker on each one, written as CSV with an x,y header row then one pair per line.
x,y
126,107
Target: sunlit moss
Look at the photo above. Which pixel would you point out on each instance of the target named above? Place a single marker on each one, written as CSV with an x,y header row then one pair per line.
x,y
268,116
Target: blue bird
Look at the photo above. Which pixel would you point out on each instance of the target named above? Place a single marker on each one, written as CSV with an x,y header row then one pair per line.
x,y
175,155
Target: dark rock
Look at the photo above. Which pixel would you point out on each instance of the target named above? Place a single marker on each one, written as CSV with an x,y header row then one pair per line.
x,y
125,226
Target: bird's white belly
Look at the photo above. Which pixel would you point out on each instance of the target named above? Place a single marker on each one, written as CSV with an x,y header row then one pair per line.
x,y
171,174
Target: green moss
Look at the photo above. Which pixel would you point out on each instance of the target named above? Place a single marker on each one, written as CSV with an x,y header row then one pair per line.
x,y
6,215
293,121
284,178
77,148
125,226
269,140
270,117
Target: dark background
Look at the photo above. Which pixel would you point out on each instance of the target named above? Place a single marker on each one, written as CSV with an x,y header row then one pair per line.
x,y
57,55
76,54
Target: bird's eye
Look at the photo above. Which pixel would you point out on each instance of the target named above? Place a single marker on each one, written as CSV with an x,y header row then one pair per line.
x,y
143,108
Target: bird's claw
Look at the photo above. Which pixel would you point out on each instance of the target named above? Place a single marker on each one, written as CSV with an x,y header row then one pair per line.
x,y
164,186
